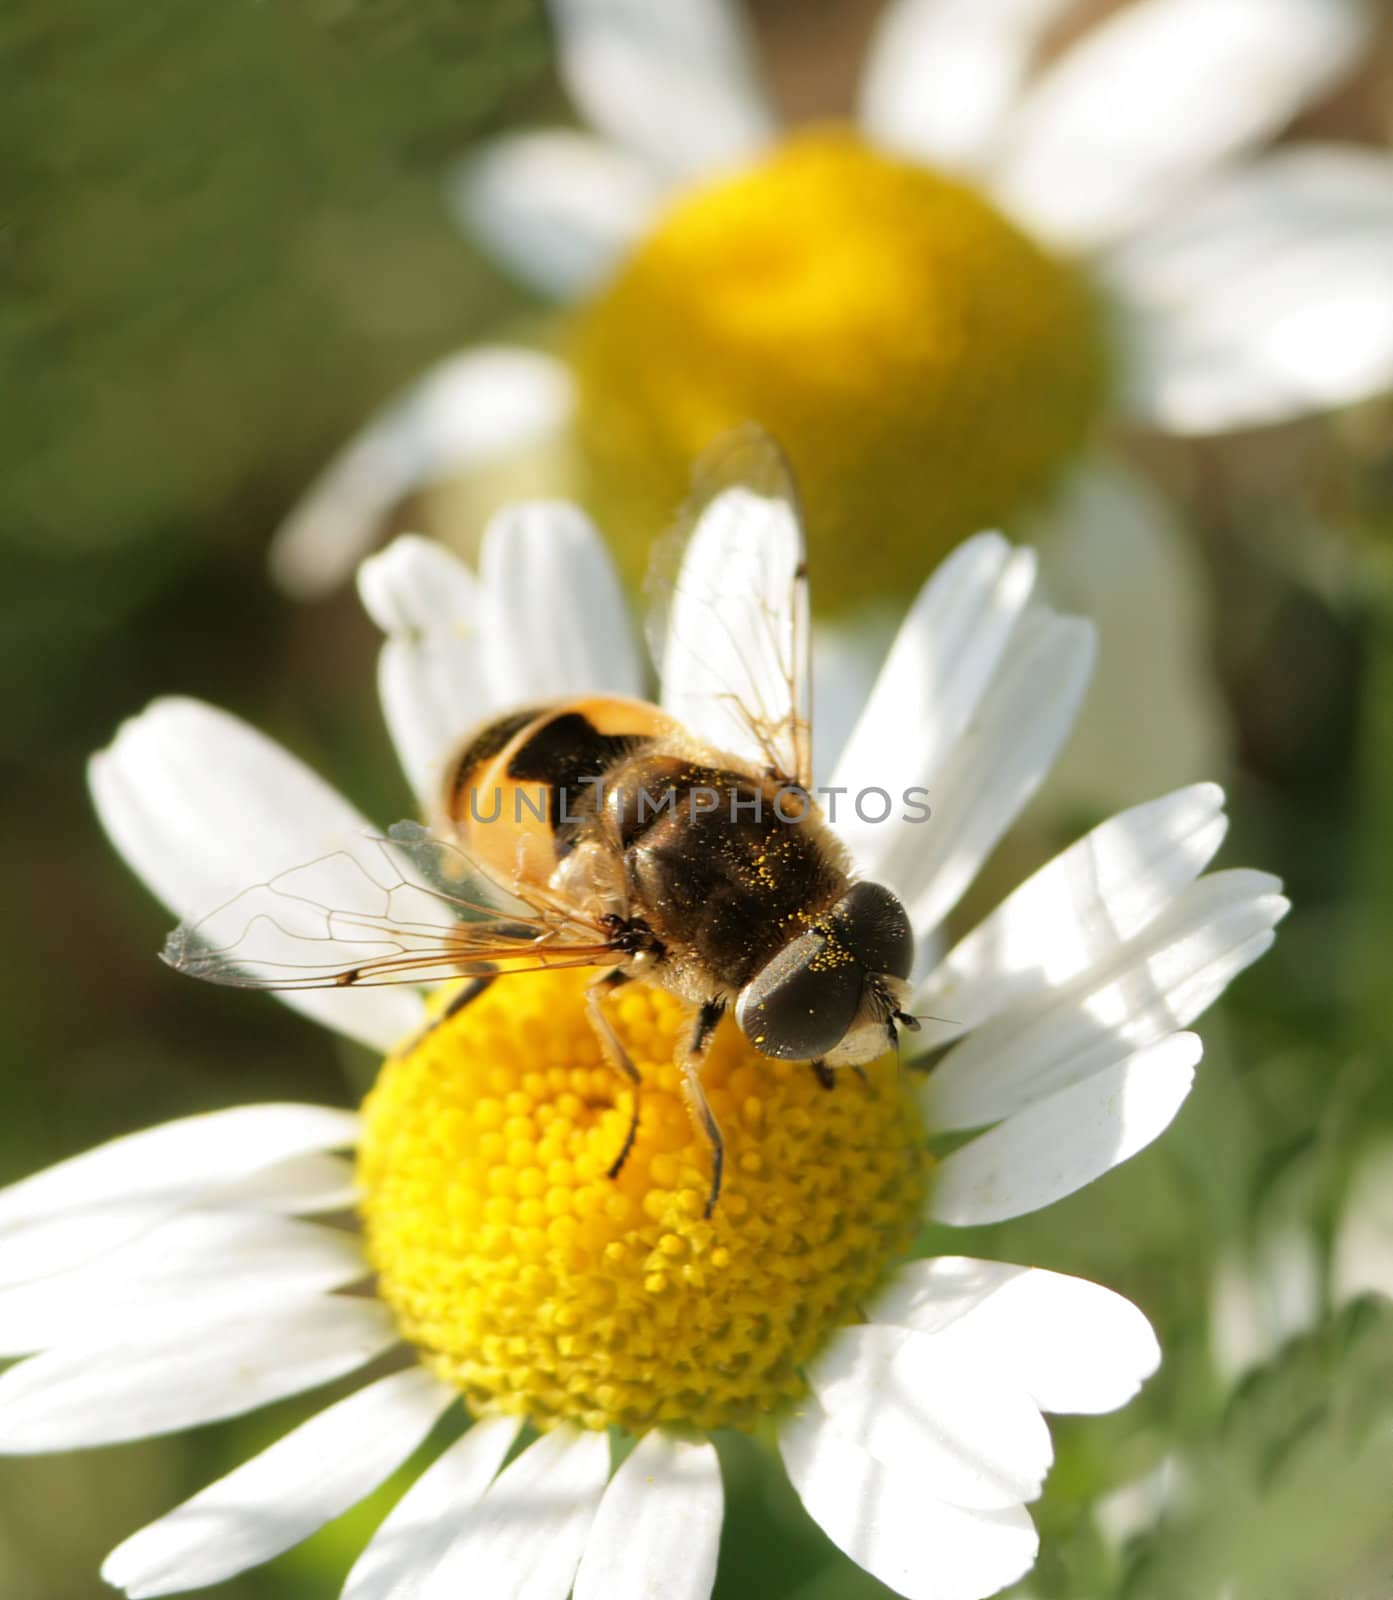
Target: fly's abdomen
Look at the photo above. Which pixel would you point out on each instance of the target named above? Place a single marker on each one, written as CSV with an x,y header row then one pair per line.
x,y
527,785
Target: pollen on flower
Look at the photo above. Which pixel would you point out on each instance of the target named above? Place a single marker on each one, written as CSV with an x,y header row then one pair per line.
x,y
927,367
540,1286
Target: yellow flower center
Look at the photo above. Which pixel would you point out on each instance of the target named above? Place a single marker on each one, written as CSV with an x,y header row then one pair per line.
x,y
927,367
540,1286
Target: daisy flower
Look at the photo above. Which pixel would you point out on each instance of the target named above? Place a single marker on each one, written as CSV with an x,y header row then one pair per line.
x,y
944,309
599,1330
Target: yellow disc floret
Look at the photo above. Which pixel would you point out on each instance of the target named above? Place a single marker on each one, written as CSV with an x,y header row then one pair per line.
x,y
928,368
540,1286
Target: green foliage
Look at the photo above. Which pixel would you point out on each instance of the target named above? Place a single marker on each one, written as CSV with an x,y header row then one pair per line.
x,y
1287,1499
216,217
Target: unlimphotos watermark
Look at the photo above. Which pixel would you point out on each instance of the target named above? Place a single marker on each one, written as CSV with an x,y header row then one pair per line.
x,y
789,803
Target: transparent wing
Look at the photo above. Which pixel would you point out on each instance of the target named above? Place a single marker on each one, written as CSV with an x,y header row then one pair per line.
x,y
413,909
728,609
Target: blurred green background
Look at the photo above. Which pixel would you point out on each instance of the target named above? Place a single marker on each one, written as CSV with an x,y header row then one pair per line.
x,y
222,243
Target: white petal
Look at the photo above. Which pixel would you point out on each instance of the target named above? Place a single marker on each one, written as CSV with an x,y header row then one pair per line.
x,y
941,75
931,1295
555,621
1362,1253
87,1212
675,83
1361,1258
557,207
936,1412
737,630
1138,1506
1024,719
300,1186
1076,909
406,1549
1135,993
847,658
280,1497
1111,549
30,1250
523,1540
1240,1334
202,806
197,1265
1073,1345
1065,1141
151,1381
1260,1299
658,1528
195,1156
1157,95
467,411
416,585
920,1548
1014,734
1268,296
432,676
949,649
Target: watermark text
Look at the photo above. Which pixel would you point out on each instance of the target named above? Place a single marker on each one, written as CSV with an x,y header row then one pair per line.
x,y
787,803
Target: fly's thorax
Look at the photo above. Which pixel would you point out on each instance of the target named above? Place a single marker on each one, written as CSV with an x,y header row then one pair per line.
x,y
725,865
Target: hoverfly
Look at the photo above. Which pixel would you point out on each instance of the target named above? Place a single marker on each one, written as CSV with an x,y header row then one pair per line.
x,y
600,832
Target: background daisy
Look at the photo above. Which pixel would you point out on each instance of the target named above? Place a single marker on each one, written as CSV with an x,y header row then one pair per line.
x,y
944,310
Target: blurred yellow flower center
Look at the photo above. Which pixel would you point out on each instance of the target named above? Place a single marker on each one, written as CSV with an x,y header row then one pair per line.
x,y
540,1286
929,369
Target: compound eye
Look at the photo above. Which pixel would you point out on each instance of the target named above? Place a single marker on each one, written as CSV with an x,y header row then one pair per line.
x,y
803,1002
871,925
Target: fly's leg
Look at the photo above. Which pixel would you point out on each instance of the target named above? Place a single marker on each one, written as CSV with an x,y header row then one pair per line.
x,y
700,1107
828,1079
467,996
615,1052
